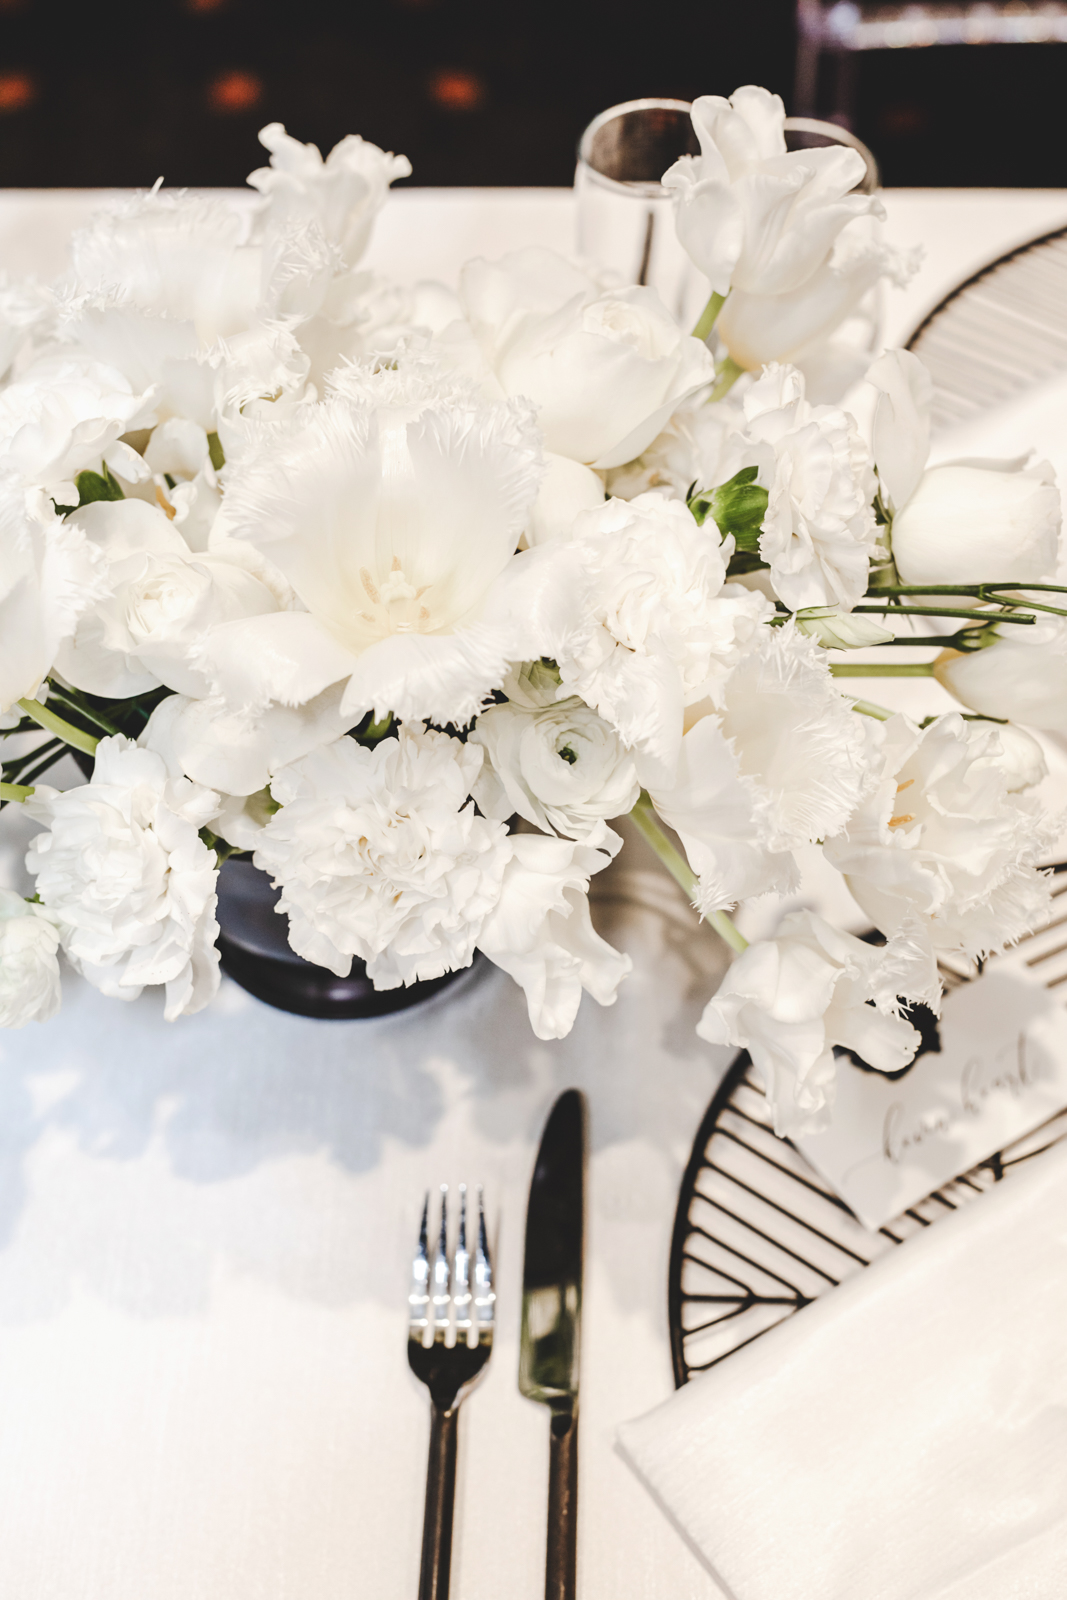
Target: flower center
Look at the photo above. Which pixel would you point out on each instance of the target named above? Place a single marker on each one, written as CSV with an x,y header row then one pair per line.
x,y
395,603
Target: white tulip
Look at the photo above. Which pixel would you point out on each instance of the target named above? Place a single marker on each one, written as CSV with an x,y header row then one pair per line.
x,y
974,520
1021,676
29,971
940,843
752,215
605,368
841,630
342,194
791,999
541,934
393,508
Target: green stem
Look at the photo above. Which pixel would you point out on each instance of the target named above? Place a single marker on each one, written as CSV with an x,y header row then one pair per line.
x,y
867,708
77,738
726,376
979,619
883,669
647,824
14,791
707,318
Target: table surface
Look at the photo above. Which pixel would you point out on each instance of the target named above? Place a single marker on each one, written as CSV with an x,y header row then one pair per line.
x,y
206,1227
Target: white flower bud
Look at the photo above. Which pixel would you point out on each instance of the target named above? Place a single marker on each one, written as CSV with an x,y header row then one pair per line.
x,y
971,521
841,630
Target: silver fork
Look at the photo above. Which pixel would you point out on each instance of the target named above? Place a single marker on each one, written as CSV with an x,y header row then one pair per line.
x,y
449,1370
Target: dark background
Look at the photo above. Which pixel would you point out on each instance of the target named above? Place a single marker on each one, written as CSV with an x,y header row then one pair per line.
x,y
473,91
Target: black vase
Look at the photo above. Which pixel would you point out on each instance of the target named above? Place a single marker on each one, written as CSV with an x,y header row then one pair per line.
x,y
254,946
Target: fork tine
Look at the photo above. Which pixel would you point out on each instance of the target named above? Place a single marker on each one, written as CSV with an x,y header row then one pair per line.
x,y
419,1298
461,1273
484,1298
442,1275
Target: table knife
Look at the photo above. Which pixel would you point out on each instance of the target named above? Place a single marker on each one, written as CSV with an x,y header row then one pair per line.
x,y
551,1321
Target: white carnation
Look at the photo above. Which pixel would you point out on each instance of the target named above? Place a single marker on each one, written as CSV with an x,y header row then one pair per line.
x,y
29,970
941,842
819,531
381,855
540,930
642,622
554,762
67,413
122,869
789,1000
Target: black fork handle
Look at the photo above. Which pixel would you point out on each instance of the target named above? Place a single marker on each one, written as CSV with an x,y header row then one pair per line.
x,y
440,1504
561,1564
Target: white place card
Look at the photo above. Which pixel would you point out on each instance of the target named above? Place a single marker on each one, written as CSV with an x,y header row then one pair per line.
x,y
1001,1071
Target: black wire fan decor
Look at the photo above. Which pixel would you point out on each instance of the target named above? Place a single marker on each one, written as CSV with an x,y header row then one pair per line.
x,y
758,1234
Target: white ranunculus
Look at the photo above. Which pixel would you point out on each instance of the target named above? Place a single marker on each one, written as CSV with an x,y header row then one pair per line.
x,y
29,970
941,842
162,603
65,414
541,934
819,531
605,367
789,1000
1021,676
394,509
342,194
752,215
123,871
380,854
779,762
236,752
1020,758
554,762
973,520
639,620
50,575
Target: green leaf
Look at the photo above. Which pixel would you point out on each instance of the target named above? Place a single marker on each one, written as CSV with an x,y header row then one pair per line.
x,y
216,452
98,486
738,507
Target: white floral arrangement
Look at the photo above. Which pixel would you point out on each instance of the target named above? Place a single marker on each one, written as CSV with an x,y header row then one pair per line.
x,y
348,575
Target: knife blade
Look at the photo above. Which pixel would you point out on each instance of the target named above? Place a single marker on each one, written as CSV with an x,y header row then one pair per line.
x,y
551,1322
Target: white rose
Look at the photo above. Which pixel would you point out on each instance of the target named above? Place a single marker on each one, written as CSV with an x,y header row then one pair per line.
x,y
554,762
940,842
29,970
1020,676
342,194
973,520
540,931
123,871
162,604
380,854
752,215
791,999
605,368
819,531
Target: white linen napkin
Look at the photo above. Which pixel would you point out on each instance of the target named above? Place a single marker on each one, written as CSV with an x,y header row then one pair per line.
x,y
905,1437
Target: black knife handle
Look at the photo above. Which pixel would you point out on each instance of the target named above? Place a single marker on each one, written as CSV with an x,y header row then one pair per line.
x,y
562,1554
440,1504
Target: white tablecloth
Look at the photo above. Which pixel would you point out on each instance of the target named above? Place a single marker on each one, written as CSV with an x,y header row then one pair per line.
x,y
205,1228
